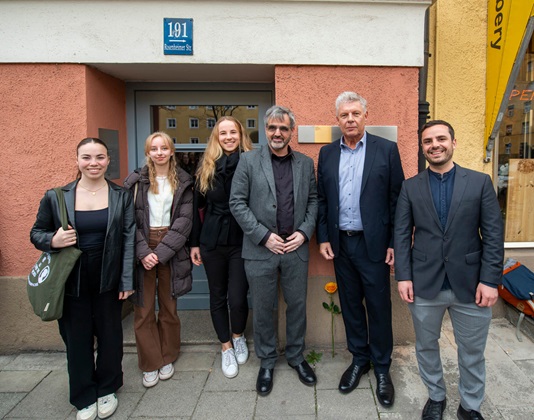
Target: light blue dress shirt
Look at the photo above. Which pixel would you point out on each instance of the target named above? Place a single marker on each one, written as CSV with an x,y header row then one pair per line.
x,y
351,163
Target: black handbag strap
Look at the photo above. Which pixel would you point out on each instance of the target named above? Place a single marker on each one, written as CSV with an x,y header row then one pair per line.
x,y
62,208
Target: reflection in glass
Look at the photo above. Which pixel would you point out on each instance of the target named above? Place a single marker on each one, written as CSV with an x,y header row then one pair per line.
x,y
516,156
192,124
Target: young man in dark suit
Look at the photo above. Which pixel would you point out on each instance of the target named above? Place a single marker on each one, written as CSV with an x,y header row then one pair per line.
x,y
454,263
359,179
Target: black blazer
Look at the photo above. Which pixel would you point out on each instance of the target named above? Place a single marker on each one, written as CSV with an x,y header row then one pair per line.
x,y
118,259
468,251
381,184
219,226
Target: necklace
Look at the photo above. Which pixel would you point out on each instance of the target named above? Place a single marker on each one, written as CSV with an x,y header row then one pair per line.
x,y
92,191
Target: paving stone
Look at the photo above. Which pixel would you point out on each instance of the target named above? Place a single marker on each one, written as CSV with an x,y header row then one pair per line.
x,y
8,401
504,334
507,384
359,404
38,361
6,360
517,413
48,400
193,361
175,397
288,398
20,381
132,376
223,405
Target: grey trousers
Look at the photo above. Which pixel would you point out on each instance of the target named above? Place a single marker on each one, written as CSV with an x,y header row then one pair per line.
x,y
470,324
263,277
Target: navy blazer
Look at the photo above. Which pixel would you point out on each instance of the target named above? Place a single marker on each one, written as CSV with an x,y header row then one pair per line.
x,y
381,184
471,247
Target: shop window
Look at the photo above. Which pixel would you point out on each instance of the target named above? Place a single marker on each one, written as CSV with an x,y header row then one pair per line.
x,y
515,177
193,122
171,122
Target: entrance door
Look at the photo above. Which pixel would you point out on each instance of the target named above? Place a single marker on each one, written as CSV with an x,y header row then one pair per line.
x,y
188,117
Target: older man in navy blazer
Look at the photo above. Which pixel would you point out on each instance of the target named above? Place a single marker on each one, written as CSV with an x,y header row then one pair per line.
x,y
274,200
453,263
359,179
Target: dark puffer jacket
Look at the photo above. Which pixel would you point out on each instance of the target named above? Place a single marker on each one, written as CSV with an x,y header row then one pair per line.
x,y
172,247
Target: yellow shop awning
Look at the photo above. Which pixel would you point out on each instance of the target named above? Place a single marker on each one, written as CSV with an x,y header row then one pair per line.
x,y
507,30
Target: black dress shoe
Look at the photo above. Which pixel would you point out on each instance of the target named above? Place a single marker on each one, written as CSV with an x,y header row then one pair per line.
x,y
306,373
264,384
385,392
434,410
464,414
351,378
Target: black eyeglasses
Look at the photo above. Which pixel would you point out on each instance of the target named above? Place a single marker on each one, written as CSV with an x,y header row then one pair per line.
x,y
283,128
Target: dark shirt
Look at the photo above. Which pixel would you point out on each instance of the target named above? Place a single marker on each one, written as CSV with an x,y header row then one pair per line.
x,y
91,227
283,179
441,187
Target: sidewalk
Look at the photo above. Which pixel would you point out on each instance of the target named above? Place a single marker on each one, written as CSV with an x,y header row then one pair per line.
x,y
34,386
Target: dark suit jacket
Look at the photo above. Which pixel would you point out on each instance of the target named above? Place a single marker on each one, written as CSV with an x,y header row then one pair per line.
x,y
381,183
118,255
253,200
468,251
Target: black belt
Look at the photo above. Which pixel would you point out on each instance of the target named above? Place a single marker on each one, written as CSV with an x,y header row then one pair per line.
x,y
352,232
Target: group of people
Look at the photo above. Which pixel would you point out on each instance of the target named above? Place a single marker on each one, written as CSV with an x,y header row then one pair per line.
x,y
248,217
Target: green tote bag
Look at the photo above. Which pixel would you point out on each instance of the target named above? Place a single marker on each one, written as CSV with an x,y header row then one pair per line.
x,y
46,282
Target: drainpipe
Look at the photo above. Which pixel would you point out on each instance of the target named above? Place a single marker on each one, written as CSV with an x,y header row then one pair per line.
x,y
424,106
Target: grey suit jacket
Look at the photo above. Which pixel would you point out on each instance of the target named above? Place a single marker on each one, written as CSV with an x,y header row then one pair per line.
x,y
469,250
253,200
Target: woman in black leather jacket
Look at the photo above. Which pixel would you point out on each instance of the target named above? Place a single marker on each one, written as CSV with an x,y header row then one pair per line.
x,y
217,240
101,223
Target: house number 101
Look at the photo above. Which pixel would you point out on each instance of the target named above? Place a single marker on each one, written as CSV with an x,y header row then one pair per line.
x,y
176,29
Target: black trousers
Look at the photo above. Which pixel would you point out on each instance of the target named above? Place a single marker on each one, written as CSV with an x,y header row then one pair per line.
x,y
92,314
228,286
368,327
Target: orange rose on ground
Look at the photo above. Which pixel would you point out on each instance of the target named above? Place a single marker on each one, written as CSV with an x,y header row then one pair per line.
x,y
330,287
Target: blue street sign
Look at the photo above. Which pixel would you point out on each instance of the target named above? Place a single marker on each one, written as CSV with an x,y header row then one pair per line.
x,y
177,36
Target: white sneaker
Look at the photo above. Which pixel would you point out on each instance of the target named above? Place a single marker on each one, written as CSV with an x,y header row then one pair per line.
x,y
107,405
150,379
241,349
87,413
229,364
166,372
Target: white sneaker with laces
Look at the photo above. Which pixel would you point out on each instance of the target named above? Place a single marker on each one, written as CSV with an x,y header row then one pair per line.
x,y
107,405
229,363
150,379
241,349
87,413
166,372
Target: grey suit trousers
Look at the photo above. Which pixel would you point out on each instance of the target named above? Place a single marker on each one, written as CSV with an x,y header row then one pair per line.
x,y
263,277
470,324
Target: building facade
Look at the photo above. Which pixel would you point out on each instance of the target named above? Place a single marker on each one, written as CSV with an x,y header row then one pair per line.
x,y
73,69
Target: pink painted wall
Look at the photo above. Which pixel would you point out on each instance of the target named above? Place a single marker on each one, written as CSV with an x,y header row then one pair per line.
x,y
43,117
392,96
46,110
106,108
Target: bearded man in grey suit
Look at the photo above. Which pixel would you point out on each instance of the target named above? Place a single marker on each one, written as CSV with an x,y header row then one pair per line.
x,y
454,263
274,200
